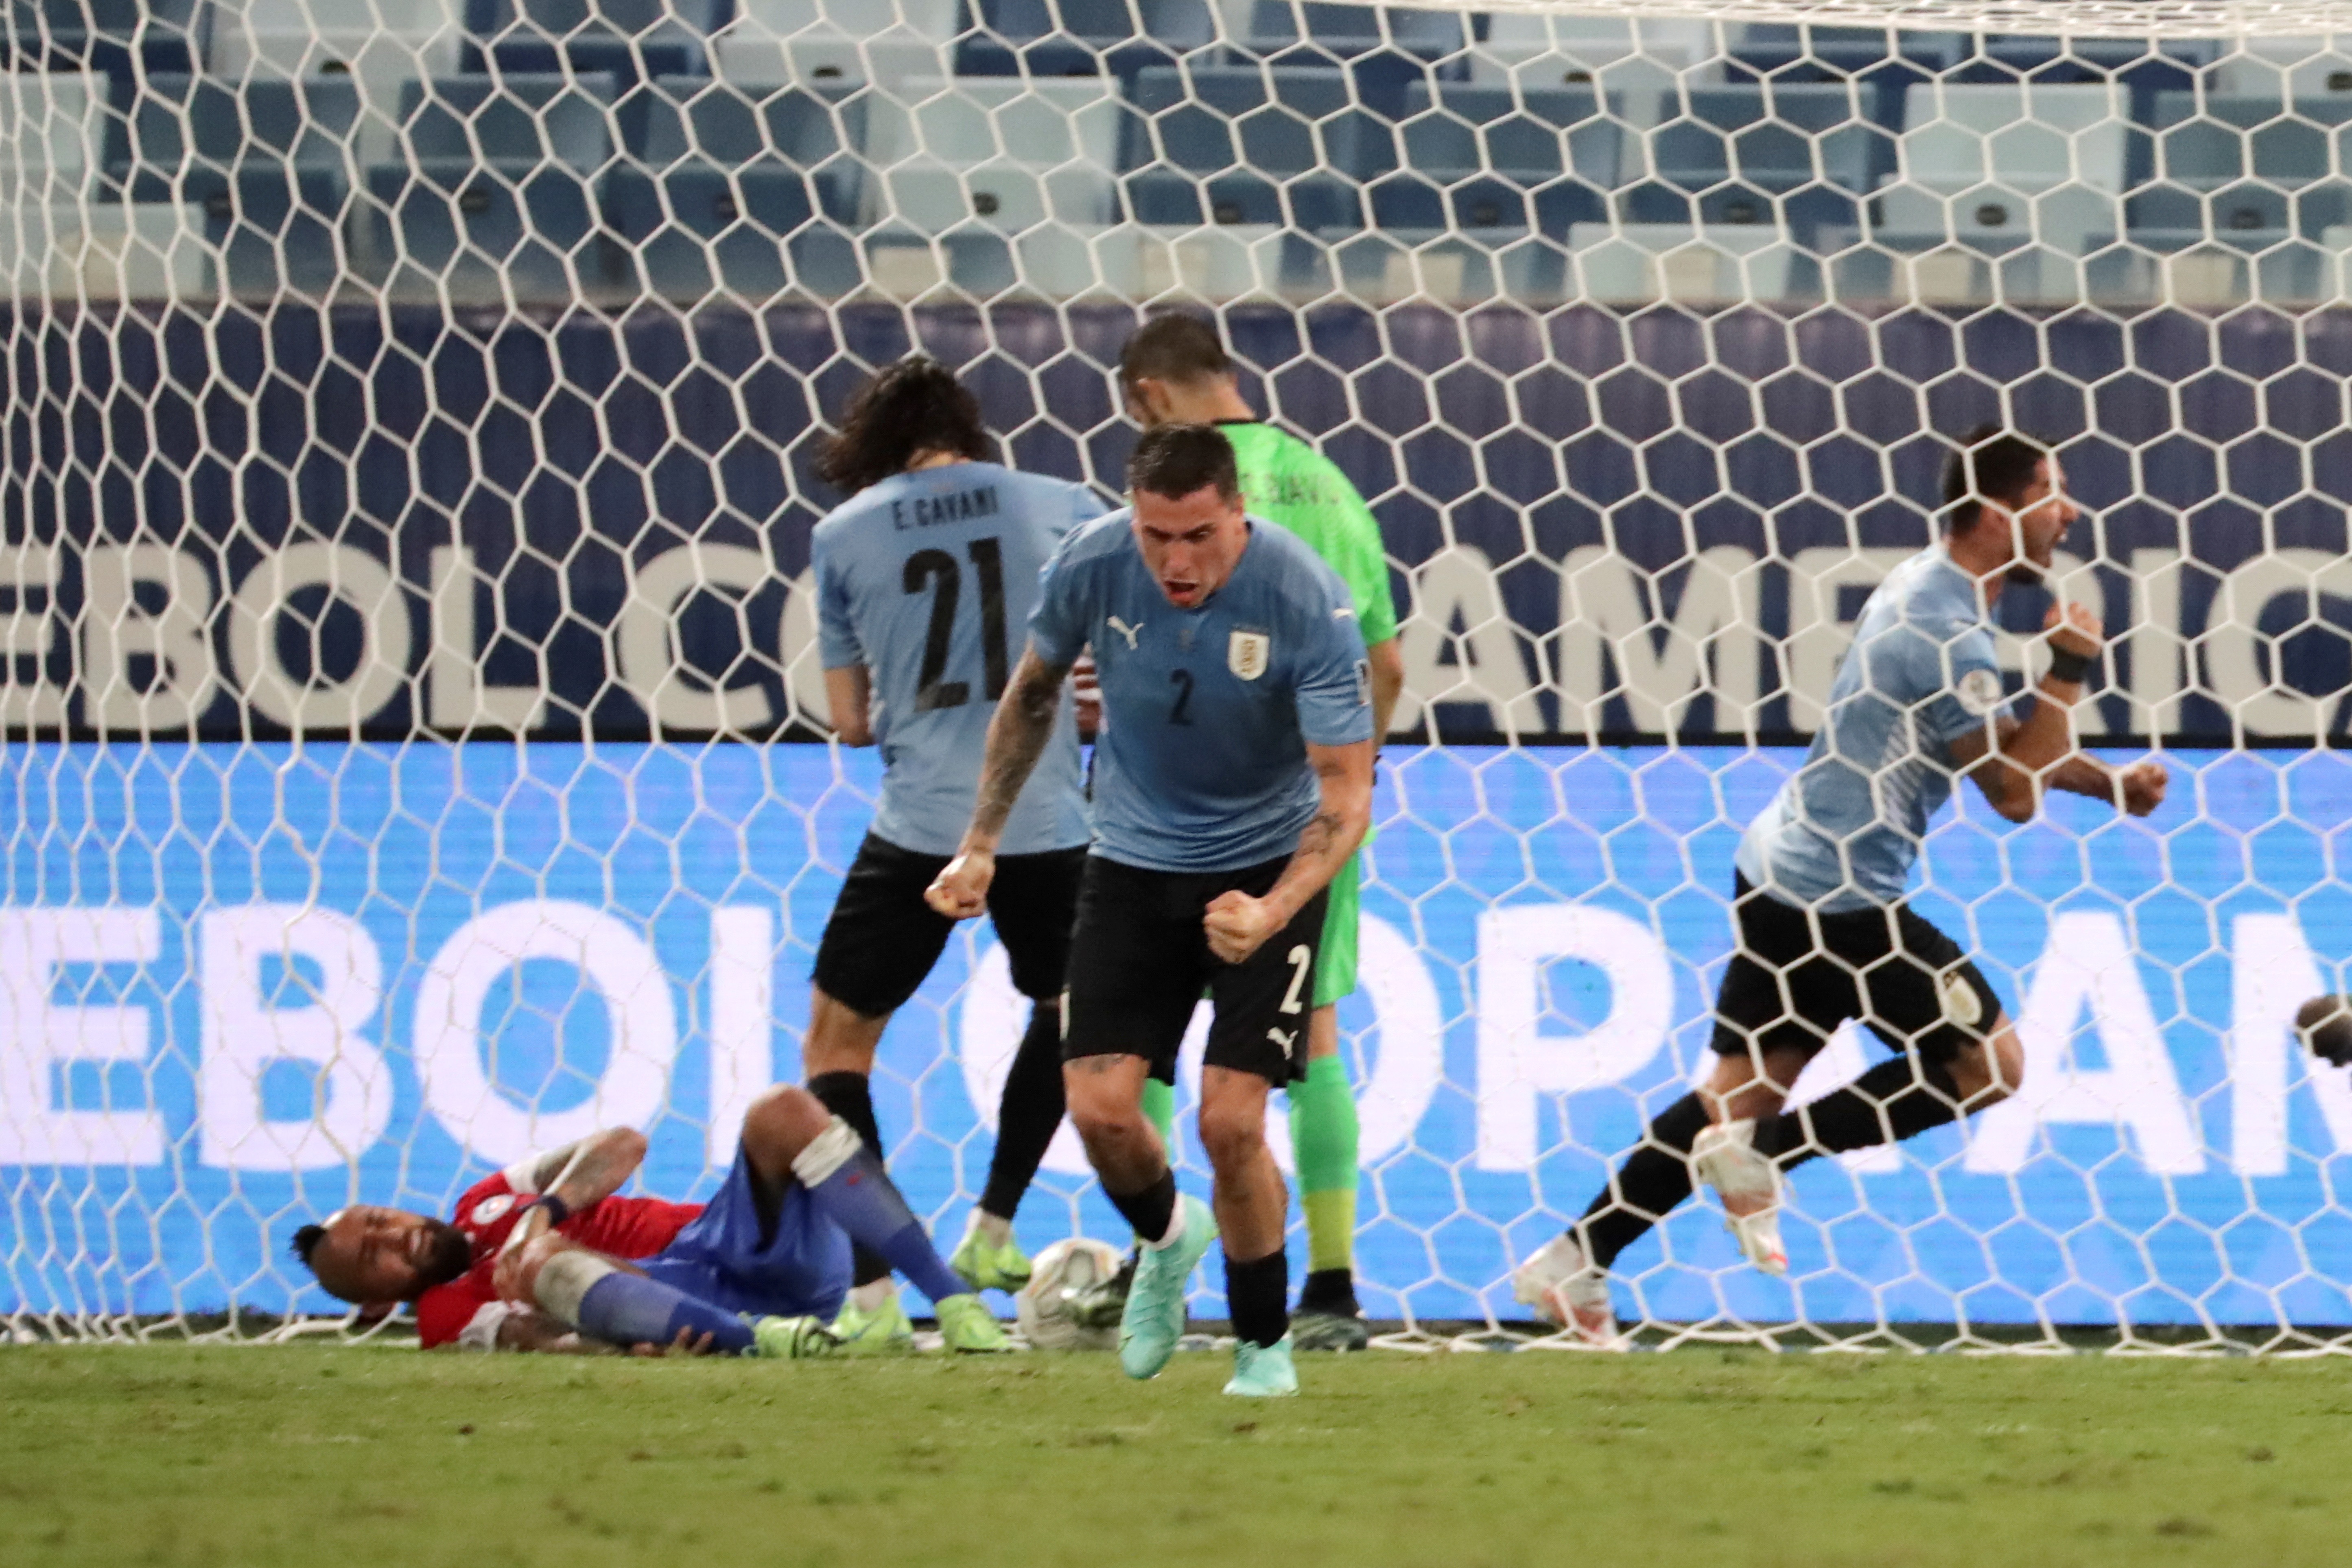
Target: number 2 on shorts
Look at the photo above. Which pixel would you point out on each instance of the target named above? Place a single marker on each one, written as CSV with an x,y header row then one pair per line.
x,y
1302,958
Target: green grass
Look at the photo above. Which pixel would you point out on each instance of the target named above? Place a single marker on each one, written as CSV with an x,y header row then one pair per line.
x,y
324,1457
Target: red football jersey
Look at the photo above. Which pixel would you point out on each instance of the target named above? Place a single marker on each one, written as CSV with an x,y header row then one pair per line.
x,y
617,1227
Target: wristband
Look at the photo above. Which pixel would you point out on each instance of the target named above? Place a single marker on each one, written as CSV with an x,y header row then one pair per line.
x,y
558,1211
2066,666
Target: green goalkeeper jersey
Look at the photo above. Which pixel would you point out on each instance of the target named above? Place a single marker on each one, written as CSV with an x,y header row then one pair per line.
x,y
1285,481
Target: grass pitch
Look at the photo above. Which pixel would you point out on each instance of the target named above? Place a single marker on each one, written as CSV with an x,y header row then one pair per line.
x,y
319,1455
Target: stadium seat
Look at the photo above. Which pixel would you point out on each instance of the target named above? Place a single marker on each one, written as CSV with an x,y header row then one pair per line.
x,y
725,187
1990,166
634,40
501,188
1383,50
1001,153
836,43
121,39
1276,120
269,162
1692,264
49,134
1242,198
1079,37
1796,158
2235,166
1482,159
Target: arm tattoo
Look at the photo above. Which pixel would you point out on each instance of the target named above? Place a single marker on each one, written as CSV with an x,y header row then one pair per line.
x,y
1016,738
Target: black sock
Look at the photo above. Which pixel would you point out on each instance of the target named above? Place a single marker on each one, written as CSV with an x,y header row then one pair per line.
x,y
1654,1179
1151,1211
1029,1113
1329,1290
1254,1294
849,1096
1892,1102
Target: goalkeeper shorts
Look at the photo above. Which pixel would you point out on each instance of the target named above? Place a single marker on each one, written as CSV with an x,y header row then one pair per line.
x,y
1786,990
882,938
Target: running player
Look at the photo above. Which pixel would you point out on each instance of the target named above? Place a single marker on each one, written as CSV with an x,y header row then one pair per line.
x,y
923,578
1824,932
545,1256
1232,779
1175,370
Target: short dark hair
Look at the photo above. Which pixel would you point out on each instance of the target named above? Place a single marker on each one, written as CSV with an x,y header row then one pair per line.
x,y
912,406
1992,464
1176,347
1177,459
305,1241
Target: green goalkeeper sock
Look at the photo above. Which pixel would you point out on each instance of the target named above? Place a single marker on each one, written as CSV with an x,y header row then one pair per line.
x,y
1160,1109
1323,1137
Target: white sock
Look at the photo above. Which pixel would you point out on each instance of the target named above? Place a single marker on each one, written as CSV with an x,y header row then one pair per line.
x,y
992,1229
872,1295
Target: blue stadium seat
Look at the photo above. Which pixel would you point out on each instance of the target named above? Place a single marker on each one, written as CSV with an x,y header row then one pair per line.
x,y
1080,38
2242,166
1493,162
1279,120
728,184
270,161
1738,155
121,38
1383,64
635,40
1242,198
503,184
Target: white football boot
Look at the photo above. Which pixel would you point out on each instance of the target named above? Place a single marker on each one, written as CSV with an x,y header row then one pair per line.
x,y
1565,1288
1748,1184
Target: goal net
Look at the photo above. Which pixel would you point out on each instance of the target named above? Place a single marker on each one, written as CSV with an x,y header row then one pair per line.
x,y
415,750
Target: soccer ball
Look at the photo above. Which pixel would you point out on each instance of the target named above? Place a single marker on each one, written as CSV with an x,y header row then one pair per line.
x,y
1061,1271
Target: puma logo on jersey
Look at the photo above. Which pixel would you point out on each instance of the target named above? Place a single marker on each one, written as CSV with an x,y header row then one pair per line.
x,y
1126,631
1281,1039
1343,614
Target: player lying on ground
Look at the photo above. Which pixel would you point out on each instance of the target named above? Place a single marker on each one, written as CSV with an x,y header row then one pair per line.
x,y
922,578
1824,934
1232,779
546,1256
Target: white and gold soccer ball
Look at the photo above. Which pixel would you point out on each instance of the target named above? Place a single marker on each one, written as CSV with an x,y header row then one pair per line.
x,y
1062,1271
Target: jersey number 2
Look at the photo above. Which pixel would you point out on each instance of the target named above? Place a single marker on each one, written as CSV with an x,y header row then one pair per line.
x,y
926,567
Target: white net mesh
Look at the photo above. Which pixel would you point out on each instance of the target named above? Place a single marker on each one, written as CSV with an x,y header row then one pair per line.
x,y
391,378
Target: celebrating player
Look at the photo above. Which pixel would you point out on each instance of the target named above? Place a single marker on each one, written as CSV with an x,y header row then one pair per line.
x,y
1176,370
923,577
545,1256
1824,932
1232,780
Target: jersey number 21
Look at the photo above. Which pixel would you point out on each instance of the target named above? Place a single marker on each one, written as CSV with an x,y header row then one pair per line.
x,y
929,567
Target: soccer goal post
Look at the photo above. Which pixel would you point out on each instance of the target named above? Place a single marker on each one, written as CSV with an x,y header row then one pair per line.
x,y
414,747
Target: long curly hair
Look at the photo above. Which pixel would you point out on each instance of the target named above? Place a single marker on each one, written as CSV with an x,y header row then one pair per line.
x,y
907,408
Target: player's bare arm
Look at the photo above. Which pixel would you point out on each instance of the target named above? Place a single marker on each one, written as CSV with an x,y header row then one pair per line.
x,y
1017,733
2012,761
574,1177
848,701
1237,924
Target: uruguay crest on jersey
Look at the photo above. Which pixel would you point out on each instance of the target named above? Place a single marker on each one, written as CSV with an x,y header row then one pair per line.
x,y
1247,654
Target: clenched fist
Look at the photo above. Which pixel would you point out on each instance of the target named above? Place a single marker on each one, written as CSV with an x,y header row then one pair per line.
x,y
961,890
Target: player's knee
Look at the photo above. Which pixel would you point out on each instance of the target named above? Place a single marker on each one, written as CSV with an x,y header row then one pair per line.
x,y
1100,1107
1233,1134
780,1124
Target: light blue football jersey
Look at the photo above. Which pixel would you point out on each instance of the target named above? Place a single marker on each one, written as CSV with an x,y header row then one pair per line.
x,y
1202,763
1844,831
927,579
